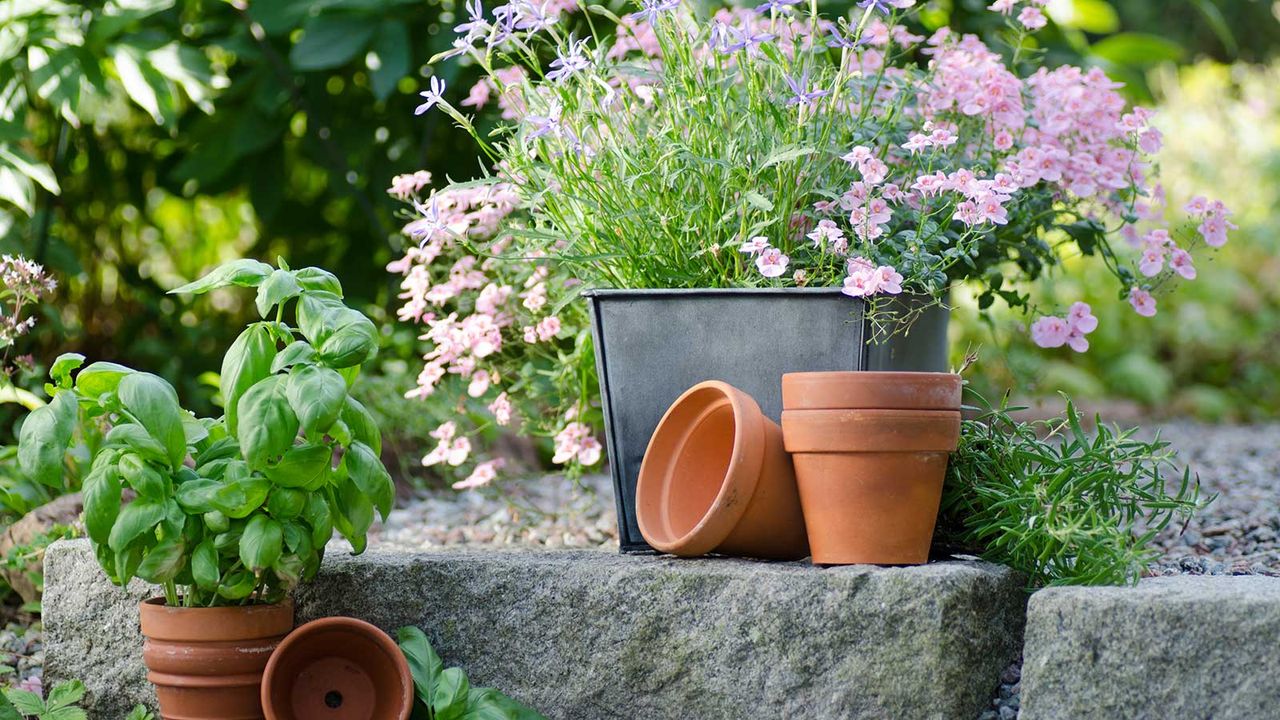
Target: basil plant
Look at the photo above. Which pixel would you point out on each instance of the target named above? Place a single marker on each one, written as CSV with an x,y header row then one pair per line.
x,y
238,509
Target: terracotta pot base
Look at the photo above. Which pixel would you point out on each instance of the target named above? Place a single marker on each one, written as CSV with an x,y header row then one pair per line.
x,y
875,508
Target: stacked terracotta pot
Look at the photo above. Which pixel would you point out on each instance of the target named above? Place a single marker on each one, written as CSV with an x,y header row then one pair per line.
x,y
870,452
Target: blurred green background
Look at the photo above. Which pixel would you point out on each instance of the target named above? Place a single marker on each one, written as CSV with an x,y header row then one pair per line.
x,y
144,141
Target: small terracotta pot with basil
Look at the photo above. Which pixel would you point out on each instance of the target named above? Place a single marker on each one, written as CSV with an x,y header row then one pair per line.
x,y
225,515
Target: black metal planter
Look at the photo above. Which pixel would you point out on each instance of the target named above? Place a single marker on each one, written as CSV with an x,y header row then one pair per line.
x,y
652,345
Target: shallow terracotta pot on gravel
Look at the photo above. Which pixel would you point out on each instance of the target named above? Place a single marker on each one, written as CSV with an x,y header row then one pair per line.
x,y
207,663
870,452
717,479
337,668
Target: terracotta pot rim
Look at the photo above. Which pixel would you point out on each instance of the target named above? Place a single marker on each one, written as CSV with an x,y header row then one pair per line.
x,y
741,475
871,431
159,621
871,390
382,640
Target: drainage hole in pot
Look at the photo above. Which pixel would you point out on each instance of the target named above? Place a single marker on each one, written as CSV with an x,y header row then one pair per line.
x,y
333,699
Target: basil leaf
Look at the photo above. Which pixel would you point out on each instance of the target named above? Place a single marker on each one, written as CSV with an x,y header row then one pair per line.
x,y
136,518
268,426
238,499
198,496
301,467
316,395
449,698
237,586
44,438
279,287
100,378
155,404
352,514
297,352
261,543
351,345
424,664
286,503
320,518
136,438
315,279
144,479
246,363
245,273
366,470
363,427
62,368
161,563
204,566
101,503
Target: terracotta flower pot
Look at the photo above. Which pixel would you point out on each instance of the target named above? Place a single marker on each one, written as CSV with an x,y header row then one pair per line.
x,y
871,464
337,668
207,663
716,478
871,391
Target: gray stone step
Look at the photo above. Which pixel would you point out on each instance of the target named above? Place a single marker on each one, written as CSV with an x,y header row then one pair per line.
x,y
1173,647
594,634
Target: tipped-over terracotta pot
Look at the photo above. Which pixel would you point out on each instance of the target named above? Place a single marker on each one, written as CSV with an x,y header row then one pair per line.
x,y
207,663
337,668
716,478
871,479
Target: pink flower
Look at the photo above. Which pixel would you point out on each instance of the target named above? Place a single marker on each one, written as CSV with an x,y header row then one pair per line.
x,y
479,383
548,328
1180,261
574,442
501,409
482,475
857,155
1032,18
1198,206
479,94
1004,7
755,245
1080,317
1152,261
1150,141
1142,302
888,280
1214,229
1050,332
827,233
917,143
772,263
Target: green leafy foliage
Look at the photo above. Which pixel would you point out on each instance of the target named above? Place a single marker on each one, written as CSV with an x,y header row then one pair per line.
x,y
227,516
446,694
61,704
1058,504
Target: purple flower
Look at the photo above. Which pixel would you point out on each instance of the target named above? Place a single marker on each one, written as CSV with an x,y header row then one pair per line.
x,y
769,6
546,125
433,95
533,16
884,6
431,222
476,26
651,9
802,95
569,64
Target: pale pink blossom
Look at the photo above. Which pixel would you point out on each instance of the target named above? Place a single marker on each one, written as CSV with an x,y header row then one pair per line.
x,y
1181,262
1214,230
1142,301
1032,18
479,384
548,328
772,262
1050,331
483,474
501,409
755,245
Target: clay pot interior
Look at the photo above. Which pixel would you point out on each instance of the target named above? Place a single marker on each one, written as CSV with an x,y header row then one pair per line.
x,y
337,669
716,478
698,465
